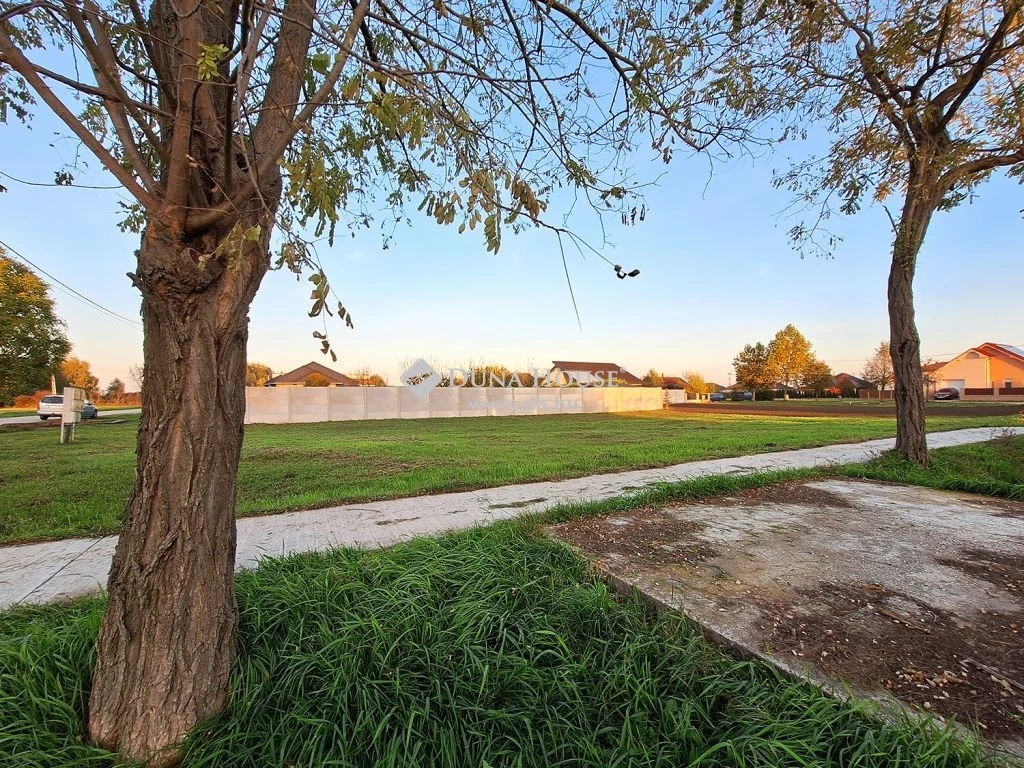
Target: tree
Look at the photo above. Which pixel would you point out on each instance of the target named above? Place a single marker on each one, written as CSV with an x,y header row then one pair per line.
x,y
695,384
114,392
257,374
753,369
32,338
76,373
316,380
225,121
653,378
879,368
138,375
789,354
816,376
367,378
923,101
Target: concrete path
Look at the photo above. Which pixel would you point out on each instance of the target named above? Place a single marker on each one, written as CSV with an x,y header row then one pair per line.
x,y
59,570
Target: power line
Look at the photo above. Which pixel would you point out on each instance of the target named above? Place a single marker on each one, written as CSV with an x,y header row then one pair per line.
x,y
67,288
55,184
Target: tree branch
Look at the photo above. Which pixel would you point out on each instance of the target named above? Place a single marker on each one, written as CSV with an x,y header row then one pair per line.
x,y
279,124
27,70
958,92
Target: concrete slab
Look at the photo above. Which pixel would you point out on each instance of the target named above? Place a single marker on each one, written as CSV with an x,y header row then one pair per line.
x,y
888,589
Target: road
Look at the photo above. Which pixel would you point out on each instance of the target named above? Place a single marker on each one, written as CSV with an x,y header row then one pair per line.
x,y
35,419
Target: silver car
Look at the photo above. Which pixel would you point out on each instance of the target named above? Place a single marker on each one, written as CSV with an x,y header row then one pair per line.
x,y
53,405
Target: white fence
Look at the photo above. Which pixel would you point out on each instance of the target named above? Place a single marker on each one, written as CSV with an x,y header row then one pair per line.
x,y
292,405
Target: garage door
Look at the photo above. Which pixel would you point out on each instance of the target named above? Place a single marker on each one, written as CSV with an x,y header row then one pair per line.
x,y
958,383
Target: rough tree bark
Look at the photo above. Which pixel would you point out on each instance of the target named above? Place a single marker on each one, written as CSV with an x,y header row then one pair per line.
x,y
167,641
904,340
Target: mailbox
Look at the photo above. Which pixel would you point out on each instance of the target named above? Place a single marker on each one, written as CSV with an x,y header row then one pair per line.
x,y
74,403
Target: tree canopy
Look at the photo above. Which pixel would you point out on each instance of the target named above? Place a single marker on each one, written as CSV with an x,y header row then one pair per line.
x,y
789,355
753,369
257,374
76,373
32,337
878,369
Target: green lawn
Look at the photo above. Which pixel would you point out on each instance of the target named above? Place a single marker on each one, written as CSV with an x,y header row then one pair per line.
x,y
491,647
995,468
51,491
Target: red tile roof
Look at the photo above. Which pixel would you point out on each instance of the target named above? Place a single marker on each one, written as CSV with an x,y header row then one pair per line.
x,y
569,366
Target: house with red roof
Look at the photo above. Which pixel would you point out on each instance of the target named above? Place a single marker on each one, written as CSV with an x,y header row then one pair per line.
x,y
987,369
300,377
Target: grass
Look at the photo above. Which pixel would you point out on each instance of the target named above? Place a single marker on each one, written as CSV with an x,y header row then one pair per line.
x,y
80,489
491,647
995,468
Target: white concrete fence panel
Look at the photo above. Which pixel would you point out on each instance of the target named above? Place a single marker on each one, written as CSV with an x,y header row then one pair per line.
x,y
295,405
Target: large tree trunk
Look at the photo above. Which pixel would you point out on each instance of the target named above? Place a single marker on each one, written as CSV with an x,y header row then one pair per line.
x,y
904,341
167,641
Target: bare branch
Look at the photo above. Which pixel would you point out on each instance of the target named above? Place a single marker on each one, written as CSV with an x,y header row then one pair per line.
x,y
17,60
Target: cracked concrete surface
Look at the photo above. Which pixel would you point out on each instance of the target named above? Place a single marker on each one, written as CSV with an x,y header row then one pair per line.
x,y
51,571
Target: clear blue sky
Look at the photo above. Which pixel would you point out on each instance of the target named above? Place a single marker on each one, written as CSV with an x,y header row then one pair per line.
x,y
717,272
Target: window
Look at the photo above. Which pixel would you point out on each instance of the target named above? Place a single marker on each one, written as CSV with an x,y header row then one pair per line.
x,y
54,399
1007,383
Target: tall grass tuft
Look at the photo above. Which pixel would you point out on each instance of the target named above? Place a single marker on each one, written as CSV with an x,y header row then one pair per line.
x,y
491,647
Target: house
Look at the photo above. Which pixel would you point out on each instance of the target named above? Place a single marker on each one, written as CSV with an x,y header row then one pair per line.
x,y
300,375
848,385
583,373
673,382
987,369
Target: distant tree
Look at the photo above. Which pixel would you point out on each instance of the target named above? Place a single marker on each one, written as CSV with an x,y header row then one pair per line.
x,y
32,337
878,369
653,378
752,368
114,393
76,373
257,374
367,378
816,376
695,384
789,354
137,374
317,380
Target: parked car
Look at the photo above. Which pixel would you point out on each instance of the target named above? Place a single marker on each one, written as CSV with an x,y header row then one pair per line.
x,y
746,395
947,393
716,397
53,405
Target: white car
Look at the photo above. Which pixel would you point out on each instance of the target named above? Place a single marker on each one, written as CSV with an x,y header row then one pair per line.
x,y
53,405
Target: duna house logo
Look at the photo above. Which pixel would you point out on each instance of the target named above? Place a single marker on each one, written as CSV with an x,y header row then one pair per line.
x,y
420,377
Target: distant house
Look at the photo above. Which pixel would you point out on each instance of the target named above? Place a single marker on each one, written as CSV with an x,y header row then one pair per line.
x,y
583,373
673,382
988,368
847,385
298,377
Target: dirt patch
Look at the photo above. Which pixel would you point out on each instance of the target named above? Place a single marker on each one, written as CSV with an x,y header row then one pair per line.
x,y
646,537
794,492
1002,570
876,638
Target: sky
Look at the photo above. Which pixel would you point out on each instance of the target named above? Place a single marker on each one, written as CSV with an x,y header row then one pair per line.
x,y
717,272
